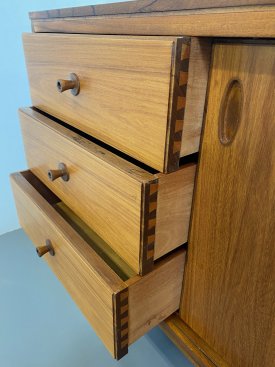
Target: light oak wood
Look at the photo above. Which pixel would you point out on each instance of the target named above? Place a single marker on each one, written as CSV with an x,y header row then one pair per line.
x,y
142,6
115,198
245,21
228,297
100,293
132,91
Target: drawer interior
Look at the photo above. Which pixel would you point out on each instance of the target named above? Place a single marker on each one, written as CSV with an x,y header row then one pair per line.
x,y
120,267
120,305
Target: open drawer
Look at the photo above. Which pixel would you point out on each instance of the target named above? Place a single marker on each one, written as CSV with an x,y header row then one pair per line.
x,y
120,305
142,95
140,213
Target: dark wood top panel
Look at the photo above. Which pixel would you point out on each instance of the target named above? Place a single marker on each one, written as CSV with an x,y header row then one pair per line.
x,y
143,6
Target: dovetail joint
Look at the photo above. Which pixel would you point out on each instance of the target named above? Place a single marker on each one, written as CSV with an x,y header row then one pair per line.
x,y
149,226
120,302
178,109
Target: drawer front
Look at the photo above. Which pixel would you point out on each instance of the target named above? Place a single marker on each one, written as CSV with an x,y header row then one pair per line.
x,y
102,194
132,90
119,310
116,198
72,262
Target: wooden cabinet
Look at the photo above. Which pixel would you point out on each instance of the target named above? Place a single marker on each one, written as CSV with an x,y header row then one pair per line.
x,y
121,94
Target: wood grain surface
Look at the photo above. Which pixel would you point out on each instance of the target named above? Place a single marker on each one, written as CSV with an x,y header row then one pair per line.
x,y
90,282
108,199
125,98
247,21
198,75
156,295
115,198
177,105
228,297
195,348
119,312
175,193
142,6
110,257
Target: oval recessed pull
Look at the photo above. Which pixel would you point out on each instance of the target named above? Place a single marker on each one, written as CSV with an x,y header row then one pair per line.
x,y
230,111
73,84
47,248
62,172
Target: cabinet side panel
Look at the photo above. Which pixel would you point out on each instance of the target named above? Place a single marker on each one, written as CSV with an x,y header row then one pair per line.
x,y
228,297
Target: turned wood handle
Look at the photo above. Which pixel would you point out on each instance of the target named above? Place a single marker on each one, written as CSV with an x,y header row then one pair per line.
x,y
42,250
62,172
72,83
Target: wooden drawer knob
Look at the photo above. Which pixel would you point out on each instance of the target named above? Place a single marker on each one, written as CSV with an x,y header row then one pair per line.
x,y
42,250
72,83
62,172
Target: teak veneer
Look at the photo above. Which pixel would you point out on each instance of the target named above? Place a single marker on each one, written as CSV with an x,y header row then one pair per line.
x,y
135,105
119,310
208,18
133,90
140,214
145,6
229,283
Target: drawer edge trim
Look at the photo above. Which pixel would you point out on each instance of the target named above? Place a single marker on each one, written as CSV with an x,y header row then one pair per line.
x,y
148,225
121,327
177,102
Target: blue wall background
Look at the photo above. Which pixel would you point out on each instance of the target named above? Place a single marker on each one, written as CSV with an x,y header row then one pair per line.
x,y
14,92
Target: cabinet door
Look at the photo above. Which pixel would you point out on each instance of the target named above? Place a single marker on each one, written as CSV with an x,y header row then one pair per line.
x,y
228,293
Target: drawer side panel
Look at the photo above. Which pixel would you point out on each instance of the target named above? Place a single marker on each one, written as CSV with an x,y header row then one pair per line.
x,y
155,296
229,283
175,196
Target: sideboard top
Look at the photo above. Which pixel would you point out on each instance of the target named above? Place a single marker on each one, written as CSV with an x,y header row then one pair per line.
x,y
143,7
202,18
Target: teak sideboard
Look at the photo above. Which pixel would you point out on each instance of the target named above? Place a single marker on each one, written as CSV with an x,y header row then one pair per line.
x,y
151,183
